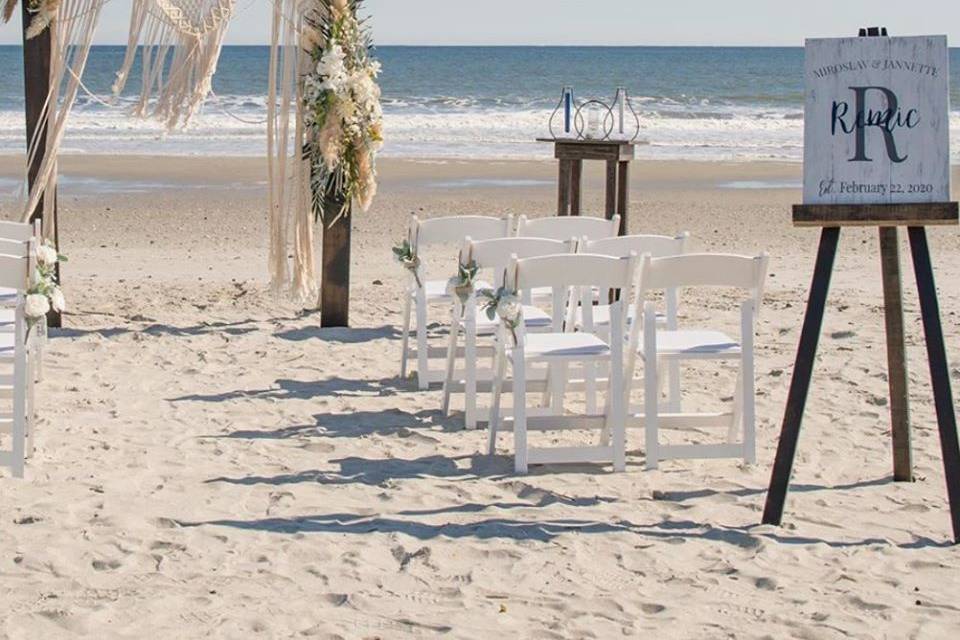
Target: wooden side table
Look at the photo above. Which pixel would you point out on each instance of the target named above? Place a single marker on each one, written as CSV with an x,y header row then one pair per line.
x,y
571,154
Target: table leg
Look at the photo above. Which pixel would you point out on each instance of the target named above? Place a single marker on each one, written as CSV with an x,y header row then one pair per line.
x,y
623,195
611,190
576,178
563,188
939,371
802,372
896,356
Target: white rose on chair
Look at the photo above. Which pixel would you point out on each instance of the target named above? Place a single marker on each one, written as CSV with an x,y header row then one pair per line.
x,y
47,255
57,300
36,306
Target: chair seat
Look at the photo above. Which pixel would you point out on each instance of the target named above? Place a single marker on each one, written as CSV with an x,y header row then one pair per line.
x,y
436,290
533,318
601,316
695,342
564,345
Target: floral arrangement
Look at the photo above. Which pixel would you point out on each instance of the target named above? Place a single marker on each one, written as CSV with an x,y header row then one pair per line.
x,y
44,12
408,259
45,293
341,106
463,285
503,303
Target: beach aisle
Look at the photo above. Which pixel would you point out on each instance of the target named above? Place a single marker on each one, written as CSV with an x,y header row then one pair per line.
x,y
212,464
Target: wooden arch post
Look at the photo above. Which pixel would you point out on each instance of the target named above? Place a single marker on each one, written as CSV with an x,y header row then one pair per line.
x,y
36,87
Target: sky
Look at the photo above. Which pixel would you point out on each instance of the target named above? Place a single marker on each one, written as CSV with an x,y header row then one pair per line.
x,y
594,22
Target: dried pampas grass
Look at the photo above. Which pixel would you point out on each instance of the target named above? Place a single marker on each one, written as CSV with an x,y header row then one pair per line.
x,y
8,8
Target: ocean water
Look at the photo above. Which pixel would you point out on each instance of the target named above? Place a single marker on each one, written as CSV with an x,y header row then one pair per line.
x,y
711,103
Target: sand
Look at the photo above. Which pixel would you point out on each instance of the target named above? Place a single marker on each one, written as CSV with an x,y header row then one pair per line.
x,y
210,463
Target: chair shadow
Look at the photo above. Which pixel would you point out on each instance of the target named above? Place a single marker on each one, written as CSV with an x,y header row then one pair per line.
x,y
340,335
356,424
375,471
230,328
287,389
683,496
543,530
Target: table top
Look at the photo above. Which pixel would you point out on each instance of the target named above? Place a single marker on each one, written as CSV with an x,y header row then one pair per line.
x,y
578,141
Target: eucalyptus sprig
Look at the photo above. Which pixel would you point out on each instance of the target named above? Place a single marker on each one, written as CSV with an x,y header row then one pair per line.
x,y
463,284
505,304
405,254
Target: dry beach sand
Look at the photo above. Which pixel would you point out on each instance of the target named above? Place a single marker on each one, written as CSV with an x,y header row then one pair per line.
x,y
212,464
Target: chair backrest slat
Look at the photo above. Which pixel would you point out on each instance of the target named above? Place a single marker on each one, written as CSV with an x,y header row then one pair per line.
x,y
703,270
564,227
575,270
13,272
456,228
623,246
16,231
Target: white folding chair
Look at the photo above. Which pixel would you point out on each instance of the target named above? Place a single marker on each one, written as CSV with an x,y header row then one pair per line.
x,y
421,292
491,257
657,345
568,276
15,380
657,247
566,227
20,239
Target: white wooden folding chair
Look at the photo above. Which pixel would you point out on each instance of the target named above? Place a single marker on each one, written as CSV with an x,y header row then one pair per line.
x,y
491,257
421,292
656,346
15,379
19,239
568,276
656,246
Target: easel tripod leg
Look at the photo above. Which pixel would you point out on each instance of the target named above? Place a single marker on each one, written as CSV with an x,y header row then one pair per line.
x,y
896,355
939,372
802,372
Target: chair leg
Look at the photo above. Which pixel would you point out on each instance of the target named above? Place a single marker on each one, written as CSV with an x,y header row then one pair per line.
x,y
406,336
470,377
651,383
452,344
749,391
590,385
617,416
736,418
20,376
423,367
499,370
31,418
519,414
674,400
558,386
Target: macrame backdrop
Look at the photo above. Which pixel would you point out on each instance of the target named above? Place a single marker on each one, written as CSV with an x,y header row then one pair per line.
x,y
71,35
179,42
289,171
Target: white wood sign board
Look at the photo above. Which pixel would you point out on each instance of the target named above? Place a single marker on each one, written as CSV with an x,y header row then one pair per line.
x,y
876,123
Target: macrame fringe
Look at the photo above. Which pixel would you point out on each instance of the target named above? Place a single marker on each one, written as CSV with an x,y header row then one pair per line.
x,y
289,172
179,42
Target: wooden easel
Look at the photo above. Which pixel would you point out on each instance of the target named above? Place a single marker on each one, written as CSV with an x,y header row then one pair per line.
x,y
888,218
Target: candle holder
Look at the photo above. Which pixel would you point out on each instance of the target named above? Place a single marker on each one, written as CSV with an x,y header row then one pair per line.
x,y
561,120
594,119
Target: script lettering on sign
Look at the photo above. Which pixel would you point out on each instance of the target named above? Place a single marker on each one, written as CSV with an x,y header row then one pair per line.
x,y
876,126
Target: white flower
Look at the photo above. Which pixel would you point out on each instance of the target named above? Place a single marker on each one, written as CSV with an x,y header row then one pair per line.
x,y
46,255
57,301
36,305
508,308
332,69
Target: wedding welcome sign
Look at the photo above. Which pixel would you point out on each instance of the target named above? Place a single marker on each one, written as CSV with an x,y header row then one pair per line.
x,y
876,126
